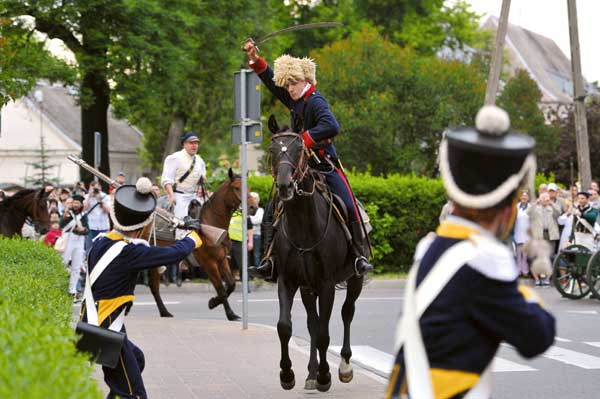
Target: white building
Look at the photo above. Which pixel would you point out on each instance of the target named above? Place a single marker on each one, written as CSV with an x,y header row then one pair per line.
x,y
58,118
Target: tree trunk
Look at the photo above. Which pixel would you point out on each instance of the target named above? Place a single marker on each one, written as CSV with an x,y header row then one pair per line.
x,y
94,119
175,132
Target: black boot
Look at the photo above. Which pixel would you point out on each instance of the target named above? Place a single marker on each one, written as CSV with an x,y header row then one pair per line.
x,y
266,269
361,247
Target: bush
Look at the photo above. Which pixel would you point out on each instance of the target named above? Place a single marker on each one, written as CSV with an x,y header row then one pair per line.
x,y
38,359
402,210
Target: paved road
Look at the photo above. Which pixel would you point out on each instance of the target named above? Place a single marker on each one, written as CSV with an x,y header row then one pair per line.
x,y
570,369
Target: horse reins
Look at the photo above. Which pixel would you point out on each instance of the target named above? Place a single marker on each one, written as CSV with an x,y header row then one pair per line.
x,y
301,169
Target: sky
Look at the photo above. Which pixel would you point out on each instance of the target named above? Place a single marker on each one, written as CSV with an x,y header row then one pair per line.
x,y
550,18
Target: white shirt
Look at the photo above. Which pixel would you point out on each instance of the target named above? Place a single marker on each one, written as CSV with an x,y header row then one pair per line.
x,y
176,165
98,218
257,220
521,235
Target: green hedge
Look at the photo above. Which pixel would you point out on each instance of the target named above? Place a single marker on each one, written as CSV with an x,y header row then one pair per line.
x,y
38,359
402,209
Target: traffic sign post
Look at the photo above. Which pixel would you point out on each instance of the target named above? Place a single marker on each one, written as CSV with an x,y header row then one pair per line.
x,y
246,100
97,151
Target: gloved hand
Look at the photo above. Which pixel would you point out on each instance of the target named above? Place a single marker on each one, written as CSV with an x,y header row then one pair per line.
x,y
190,223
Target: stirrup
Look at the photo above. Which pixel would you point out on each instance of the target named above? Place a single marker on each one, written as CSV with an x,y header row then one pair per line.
x,y
367,269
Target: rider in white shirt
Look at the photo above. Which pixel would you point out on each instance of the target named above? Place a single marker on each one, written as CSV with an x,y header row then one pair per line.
x,y
182,172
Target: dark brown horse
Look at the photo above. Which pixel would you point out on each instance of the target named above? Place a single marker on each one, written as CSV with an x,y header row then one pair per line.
x,y
217,211
312,254
24,204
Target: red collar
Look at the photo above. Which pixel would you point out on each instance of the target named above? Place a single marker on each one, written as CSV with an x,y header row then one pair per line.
x,y
310,91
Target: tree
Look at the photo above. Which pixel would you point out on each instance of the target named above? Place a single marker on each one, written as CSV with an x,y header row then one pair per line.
x,y
565,155
394,104
520,97
41,175
185,55
23,59
425,25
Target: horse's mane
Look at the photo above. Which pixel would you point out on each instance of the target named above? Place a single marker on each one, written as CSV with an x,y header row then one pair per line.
x,y
17,197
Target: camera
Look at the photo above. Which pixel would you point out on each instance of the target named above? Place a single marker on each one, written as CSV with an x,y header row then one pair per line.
x,y
96,190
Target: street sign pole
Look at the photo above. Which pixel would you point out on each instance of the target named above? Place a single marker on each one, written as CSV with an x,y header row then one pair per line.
x,y
244,165
246,112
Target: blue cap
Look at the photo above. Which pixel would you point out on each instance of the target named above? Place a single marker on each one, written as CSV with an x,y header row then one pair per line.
x,y
189,136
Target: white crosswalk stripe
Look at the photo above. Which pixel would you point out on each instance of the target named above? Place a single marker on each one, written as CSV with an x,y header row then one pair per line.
x,y
381,362
573,358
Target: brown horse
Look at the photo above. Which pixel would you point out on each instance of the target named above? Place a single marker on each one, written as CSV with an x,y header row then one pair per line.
x,y
22,205
217,211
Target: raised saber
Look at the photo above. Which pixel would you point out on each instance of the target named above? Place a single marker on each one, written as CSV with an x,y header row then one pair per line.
x,y
294,28
212,235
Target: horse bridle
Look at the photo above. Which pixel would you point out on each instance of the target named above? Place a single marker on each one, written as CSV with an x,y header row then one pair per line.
x,y
300,172
300,169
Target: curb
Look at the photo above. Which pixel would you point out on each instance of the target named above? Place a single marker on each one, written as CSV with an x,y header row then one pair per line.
x,y
263,286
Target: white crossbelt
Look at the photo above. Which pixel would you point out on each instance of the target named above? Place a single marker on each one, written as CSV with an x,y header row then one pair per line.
x,y
409,334
101,265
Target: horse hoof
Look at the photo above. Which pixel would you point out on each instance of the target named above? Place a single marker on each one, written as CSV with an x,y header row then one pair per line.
x,y
324,387
346,377
165,314
287,385
345,372
233,317
212,303
310,384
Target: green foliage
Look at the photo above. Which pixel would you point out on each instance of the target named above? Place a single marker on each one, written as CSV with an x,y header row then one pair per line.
x,y
23,60
393,104
520,98
565,156
37,352
427,25
402,209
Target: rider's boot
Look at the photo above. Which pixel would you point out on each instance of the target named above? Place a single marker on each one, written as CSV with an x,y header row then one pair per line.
x,y
266,269
361,248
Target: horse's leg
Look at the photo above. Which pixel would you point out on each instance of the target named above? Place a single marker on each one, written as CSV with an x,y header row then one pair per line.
x,y
227,276
284,330
154,288
310,304
212,269
353,290
326,297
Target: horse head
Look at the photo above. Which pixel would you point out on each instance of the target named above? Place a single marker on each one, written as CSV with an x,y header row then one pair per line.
x,y
289,159
232,188
36,207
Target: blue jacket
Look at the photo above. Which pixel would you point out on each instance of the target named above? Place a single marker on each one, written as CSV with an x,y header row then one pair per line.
x,y
463,327
319,123
114,288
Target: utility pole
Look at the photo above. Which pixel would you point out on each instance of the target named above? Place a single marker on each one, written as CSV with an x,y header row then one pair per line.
x,y
496,62
581,133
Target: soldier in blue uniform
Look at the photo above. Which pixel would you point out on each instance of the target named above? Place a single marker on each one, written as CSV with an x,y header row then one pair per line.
x,y
293,82
113,291
462,297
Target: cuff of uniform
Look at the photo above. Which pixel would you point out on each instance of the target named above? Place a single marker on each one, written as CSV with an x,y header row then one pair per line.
x,y
308,140
197,240
259,66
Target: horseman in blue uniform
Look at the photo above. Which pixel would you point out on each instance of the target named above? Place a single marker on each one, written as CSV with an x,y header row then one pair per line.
x,y
462,294
293,82
113,291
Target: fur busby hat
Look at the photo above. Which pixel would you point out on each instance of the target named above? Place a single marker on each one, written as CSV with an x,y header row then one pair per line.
x,y
482,167
133,206
288,68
